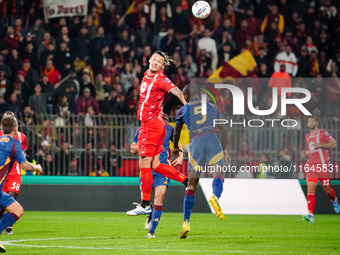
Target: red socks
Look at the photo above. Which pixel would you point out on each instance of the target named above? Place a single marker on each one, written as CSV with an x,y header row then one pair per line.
x,y
146,181
311,202
331,195
170,172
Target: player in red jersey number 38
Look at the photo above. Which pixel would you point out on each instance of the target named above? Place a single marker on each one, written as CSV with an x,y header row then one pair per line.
x,y
152,131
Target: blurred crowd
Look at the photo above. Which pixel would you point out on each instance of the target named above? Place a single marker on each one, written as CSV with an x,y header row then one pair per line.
x,y
95,63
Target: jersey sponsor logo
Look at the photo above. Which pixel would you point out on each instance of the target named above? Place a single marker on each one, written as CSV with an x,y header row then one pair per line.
x,y
143,87
312,146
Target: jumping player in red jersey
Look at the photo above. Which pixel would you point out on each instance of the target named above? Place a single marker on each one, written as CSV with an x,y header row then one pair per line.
x,y
12,183
319,141
152,130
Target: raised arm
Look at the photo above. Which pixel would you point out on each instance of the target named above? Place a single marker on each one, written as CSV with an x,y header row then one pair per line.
x,y
29,167
178,93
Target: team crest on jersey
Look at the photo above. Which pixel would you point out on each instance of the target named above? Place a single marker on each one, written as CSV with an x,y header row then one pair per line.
x,y
167,80
143,87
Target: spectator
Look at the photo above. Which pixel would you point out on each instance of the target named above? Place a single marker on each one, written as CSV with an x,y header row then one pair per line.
x,y
13,104
169,43
244,154
144,60
14,63
88,160
5,85
254,26
31,75
190,66
47,131
82,43
287,58
64,59
38,101
48,165
101,91
132,101
314,65
5,68
143,34
63,159
280,79
53,74
85,100
112,161
12,39
100,59
3,105
86,83
273,17
47,40
74,170
310,45
48,53
127,75
134,86
43,151
209,45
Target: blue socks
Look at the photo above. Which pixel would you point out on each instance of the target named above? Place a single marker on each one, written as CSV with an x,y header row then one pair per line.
x,y
156,216
217,186
188,204
7,220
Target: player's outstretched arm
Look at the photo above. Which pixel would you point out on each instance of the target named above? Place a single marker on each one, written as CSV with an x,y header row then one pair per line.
x,y
29,167
177,134
179,161
178,93
134,148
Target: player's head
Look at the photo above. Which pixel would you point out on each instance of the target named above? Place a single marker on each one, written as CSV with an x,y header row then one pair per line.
x,y
190,91
9,113
312,122
8,124
158,61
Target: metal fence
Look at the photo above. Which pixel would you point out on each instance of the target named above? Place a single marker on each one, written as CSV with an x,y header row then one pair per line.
x,y
100,145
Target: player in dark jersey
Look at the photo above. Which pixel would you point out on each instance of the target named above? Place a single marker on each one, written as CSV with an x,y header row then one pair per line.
x,y
160,183
12,184
11,151
152,130
319,142
204,149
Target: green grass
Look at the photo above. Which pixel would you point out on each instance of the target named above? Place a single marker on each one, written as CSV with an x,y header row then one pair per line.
x,y
115,233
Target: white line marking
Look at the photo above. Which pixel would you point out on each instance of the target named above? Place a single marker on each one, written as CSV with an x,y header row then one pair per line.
x,y
145,248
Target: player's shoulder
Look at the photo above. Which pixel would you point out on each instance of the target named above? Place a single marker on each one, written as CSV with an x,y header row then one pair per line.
x,y
169,127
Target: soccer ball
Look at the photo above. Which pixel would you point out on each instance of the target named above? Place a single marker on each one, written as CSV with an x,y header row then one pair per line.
x,y
201,9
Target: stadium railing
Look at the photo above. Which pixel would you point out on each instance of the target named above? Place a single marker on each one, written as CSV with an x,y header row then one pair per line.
x,y
282,144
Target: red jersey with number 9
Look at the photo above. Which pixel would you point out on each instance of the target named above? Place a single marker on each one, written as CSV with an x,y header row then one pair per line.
x,y
16,168
320,155
151,95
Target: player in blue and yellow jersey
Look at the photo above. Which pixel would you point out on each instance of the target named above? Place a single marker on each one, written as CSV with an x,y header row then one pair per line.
x,y
11,151
160,183
205,149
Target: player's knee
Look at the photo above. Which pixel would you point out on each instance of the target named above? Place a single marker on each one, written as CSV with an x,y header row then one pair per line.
x,y
158,200
326,189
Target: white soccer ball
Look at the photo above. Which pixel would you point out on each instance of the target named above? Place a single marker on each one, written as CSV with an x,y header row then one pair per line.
x,y
201,9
